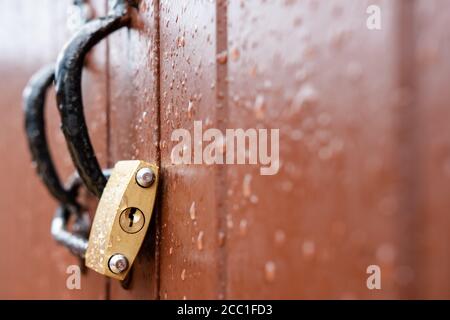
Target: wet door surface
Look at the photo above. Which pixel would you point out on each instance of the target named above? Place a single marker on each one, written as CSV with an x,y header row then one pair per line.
x,y
364,147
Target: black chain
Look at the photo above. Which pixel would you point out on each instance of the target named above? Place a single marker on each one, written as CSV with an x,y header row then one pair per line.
x,y
69,96
34,105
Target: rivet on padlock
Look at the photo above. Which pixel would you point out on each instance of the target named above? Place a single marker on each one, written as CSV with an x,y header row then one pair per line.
x,y
122,219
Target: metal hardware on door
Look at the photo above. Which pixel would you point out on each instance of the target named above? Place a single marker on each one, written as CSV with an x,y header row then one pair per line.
x,y
77,239
34,104
127,198
68,92
122,218
34,100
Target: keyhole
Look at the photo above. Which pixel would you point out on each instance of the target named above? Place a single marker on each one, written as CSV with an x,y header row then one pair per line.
x,y
131,216
131,220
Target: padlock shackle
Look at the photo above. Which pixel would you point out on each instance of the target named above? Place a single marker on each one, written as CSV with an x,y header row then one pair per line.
x,y
68,75
75,240
34,97
77,244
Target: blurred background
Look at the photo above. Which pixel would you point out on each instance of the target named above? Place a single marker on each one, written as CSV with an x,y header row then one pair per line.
x,y
364,147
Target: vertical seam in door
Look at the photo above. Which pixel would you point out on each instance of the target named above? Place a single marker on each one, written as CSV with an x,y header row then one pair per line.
x,y
221,122
408,154
108,129
157,77
108,108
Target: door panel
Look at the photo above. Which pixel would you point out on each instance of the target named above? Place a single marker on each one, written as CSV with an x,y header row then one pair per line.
x,y
33,265
312,229
190,253
134,126
431,71
364,149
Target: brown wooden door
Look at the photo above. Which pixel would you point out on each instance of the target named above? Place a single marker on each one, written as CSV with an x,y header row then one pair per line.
x,y
364,147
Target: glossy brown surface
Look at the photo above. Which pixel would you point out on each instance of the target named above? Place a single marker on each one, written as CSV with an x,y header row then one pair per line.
x,y
33,265
432,104
134,126
364,148
190,255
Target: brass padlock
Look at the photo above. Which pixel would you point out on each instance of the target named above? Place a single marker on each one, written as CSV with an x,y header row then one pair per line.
x,y
122,218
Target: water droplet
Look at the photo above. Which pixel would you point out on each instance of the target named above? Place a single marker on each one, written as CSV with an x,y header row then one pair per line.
x,y
268,84
246,188
386,253
234,54
180,42
310,52
306,97
192,211
308,248
287,186
269,271
221,238
243,227
208,122
254,199
280,237
253,71
183,274
259,107
229,221
338,38
190,108
222,57
200,240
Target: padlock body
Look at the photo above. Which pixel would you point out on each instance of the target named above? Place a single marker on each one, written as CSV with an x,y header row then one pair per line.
x,y
122,218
